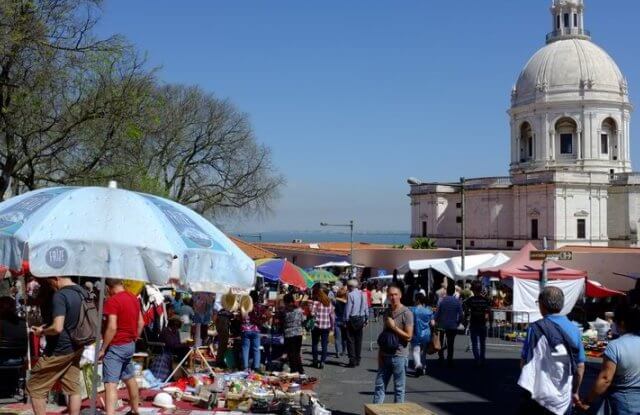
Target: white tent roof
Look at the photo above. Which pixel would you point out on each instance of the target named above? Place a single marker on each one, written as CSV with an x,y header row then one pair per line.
x,y
420,264
342,264
385,278
451,267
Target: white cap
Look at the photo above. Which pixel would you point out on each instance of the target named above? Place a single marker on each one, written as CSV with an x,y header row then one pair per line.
x,y
163,400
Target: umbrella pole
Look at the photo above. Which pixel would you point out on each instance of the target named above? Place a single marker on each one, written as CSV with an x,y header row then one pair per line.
x,y
94,376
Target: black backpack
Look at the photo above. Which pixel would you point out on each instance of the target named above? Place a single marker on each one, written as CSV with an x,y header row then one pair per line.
x,y
84,332
388,342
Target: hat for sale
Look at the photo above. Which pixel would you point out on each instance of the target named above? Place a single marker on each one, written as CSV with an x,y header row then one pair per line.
x,y
229,302
163,400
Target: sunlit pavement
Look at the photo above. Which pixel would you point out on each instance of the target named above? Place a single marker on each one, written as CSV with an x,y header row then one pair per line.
x,y
464,389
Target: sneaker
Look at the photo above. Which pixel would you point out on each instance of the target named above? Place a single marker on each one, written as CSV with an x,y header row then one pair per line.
x,y
321,366
419,372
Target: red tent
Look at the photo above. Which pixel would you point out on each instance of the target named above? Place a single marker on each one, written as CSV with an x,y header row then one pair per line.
x,y
521,266
596,290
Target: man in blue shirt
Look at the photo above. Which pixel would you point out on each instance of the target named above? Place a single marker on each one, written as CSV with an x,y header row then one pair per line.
x,y
355,317
552,359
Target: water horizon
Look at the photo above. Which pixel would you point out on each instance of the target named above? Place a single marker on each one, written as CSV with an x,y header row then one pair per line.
x,y
382,237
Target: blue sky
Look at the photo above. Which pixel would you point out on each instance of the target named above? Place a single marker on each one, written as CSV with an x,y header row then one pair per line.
x,y
355,96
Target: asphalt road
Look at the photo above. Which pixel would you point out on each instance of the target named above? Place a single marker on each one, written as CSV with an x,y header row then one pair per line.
x,y
464,389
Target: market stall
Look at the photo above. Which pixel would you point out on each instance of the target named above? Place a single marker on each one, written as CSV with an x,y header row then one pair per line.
x,y
524,276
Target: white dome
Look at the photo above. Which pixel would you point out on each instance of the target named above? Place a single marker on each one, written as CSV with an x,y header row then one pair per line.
x,y
566,67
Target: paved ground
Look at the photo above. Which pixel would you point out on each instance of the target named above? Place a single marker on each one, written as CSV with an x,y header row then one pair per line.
x,y
463,389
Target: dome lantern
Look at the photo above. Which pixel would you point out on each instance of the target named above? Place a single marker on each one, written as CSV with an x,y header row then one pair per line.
x,y
568,21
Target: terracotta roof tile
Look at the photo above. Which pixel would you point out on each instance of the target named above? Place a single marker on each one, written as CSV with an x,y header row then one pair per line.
x,y
336,248
252,250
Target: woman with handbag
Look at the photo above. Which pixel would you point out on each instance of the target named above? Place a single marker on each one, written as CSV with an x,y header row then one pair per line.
x,y
423,320
322,313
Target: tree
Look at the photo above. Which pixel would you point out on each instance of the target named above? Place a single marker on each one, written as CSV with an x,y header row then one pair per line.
x,y
76,110
201,152
57,85
424,243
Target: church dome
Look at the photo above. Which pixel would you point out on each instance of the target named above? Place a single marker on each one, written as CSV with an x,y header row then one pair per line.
x,y
571,67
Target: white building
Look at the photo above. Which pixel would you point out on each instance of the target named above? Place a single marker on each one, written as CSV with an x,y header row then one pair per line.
x,y
570,173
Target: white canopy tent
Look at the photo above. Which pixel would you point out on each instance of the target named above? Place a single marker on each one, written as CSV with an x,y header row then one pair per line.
x,y
452,267
339,264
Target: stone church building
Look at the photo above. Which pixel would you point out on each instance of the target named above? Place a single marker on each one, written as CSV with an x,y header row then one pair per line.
x,y
570,173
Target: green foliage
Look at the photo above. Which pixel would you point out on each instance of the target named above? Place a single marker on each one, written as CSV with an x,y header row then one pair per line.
x,y
424,243
77,110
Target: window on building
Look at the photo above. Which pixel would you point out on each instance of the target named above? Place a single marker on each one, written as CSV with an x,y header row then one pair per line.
x,y
566,20
558,22
458,243
472,243
424,229
566,143
534,228
459,205
604,144
582,229
509,244
458,219
575,19
530,146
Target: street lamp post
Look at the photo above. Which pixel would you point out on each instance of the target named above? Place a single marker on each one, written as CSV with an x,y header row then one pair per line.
x,y
345,225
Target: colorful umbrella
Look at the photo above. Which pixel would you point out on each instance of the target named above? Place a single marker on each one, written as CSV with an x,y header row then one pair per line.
x,y
323,276
274,269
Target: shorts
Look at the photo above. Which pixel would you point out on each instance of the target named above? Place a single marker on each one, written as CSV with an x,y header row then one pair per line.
x,y
50,369
116,365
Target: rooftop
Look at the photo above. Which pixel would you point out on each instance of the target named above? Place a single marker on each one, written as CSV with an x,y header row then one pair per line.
x,y
600,249
334,248
252,250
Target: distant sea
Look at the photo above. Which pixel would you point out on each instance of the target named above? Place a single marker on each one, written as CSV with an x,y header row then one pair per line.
x,y
391,238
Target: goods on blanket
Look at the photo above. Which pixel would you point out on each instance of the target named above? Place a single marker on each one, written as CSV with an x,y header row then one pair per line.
x,y
590,335
595,348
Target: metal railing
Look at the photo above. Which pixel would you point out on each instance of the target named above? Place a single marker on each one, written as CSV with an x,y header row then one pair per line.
x,y
559,34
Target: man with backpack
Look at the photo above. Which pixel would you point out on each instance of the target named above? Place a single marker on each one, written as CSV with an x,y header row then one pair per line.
x,y
124,323
61,358
553,359
394,351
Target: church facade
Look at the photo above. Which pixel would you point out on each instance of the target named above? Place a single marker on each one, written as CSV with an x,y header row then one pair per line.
x,y
570,177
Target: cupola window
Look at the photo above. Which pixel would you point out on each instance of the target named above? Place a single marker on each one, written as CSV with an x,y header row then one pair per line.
x,y
566,20
566,143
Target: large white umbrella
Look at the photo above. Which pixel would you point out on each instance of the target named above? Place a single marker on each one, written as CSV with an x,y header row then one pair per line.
x,y
114,233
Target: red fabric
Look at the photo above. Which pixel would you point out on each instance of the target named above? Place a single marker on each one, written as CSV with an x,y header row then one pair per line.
x,y
594,290
126,306
521,266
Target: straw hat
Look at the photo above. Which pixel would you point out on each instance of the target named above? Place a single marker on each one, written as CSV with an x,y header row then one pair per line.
x,y
246,304
229,302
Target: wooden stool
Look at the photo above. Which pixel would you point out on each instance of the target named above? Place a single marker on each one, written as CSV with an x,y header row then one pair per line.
x,y
396,409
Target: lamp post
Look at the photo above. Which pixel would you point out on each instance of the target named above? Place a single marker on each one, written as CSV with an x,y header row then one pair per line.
x,y
344,225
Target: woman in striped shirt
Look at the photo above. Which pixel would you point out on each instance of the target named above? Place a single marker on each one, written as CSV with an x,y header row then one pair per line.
x,y
322,312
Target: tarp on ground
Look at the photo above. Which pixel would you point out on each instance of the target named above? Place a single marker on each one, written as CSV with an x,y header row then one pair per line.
x,y
525,296
522,267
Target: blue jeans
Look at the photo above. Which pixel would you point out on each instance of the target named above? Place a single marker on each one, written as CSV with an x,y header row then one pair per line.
x,y
340,339
251,341
316,336
623,402
478,338
391,365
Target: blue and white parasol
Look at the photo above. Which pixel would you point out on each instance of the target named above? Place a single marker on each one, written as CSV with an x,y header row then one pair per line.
x,y
110,232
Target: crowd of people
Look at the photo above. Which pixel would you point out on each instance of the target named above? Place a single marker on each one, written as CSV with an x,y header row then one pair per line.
x,y
253,332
